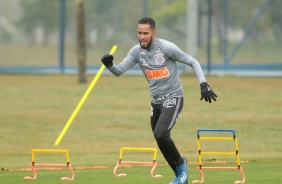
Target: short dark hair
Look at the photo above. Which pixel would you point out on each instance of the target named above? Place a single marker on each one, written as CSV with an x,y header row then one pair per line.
x,y
148,20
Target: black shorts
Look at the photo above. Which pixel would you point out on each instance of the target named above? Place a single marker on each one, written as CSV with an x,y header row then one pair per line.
x,y
164,116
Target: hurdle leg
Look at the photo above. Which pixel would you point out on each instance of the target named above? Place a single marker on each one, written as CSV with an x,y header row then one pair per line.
x,y
72,174
34,173
202,177
243,177
152,171
115,170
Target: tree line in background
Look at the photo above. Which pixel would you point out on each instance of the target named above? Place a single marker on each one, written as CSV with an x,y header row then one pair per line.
x,y
112,21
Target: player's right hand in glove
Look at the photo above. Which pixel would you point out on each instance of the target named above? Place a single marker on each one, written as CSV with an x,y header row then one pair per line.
x,y
207,93
107,60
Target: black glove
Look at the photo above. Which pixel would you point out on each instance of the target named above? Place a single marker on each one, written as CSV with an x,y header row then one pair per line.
x,y
107,60
207,93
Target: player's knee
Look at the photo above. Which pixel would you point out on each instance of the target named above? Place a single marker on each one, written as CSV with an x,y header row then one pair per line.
x,y
160,136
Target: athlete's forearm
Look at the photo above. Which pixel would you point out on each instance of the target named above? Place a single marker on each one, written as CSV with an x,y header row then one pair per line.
x,y
195,65
122,67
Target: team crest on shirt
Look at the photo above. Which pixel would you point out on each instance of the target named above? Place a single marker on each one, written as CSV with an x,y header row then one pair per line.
x,y
159,59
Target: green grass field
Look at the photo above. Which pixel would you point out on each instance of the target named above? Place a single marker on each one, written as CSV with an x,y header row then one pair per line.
x,y
35,108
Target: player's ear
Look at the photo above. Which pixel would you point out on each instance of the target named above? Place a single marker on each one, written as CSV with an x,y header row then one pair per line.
x,y
154,32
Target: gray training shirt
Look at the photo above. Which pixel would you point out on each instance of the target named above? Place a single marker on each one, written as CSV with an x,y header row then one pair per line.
x,y
159,66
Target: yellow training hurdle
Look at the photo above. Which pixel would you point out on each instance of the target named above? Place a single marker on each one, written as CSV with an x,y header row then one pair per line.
x,y
60,165
234,153
154,163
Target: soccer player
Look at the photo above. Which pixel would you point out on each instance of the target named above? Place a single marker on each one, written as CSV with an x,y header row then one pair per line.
x,y
157,59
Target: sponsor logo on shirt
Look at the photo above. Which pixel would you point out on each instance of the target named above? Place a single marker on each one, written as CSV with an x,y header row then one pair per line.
x,y
157,74
142,51
145,64
142,60
157,49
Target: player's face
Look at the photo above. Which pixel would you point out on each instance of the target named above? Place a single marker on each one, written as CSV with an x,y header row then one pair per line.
x,y
146,35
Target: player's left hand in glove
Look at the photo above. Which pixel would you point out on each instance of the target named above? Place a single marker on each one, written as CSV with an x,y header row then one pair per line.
x,y
207,93
107,60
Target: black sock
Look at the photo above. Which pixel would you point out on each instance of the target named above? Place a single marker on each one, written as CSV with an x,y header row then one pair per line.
x,y
173,167
180,161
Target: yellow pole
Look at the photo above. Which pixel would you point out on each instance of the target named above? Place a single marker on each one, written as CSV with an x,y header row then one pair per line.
x,y
97,76
199,152
237,151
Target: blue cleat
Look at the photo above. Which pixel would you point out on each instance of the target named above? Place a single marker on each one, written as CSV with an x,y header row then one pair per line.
x,y
182,173
175,181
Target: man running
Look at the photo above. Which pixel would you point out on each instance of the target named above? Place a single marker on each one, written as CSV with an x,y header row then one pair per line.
x,y
157,59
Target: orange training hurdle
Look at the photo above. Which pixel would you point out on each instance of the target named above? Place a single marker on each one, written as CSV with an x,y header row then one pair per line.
x,y
235,153
154,163
60,165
